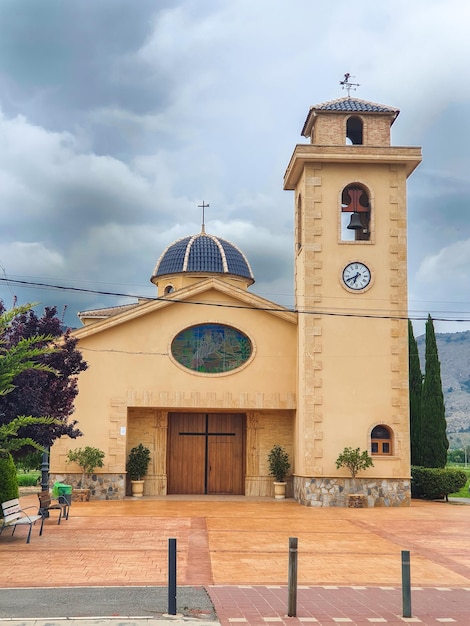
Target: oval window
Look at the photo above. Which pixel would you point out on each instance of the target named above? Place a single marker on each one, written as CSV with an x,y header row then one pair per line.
x,y
211,348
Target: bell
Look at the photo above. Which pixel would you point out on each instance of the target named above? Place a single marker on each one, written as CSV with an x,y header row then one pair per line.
x,y
355,223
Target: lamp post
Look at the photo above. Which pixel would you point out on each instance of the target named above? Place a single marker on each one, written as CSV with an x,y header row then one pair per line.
x,y
45,470
45,477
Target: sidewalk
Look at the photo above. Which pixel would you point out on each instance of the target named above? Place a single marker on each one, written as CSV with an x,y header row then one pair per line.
x,y
349,565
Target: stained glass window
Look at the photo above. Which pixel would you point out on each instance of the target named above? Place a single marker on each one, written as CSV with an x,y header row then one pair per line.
x,y
211,348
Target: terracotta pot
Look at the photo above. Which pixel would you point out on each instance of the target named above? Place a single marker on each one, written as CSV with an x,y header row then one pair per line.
x,y
137,488
279,490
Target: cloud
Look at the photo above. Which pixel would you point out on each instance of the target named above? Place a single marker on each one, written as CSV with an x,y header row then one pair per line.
x,y
448,265
119,118
31,256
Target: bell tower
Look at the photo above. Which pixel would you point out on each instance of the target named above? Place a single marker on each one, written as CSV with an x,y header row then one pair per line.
x,y
351,297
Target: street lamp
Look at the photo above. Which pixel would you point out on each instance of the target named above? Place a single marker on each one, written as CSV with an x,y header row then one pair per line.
x,y
45,478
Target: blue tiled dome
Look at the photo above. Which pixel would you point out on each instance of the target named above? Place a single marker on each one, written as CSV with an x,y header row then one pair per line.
x,y
206,254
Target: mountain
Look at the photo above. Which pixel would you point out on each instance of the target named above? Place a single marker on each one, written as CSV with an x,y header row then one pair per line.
x,y
454,356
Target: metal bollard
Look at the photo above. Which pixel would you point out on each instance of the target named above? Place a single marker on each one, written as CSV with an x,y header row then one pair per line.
x,y
171,576
406,583
292,581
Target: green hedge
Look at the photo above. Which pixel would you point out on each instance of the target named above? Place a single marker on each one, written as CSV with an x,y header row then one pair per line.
x,y
8,481
433,483
28,480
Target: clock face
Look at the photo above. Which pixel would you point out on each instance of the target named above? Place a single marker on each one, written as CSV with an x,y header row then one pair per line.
x,y
356,276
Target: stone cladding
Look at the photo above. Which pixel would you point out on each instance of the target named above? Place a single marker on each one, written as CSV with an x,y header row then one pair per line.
x,y
325,491
102,486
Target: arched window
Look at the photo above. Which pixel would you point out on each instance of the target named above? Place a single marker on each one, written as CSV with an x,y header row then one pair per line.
x,y
169,289
354,131
381,440
355,213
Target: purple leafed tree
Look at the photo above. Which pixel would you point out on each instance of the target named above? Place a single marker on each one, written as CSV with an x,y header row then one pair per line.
x,y
38,393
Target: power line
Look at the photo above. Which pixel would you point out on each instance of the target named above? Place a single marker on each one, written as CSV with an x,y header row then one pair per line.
x,y
273,309
13,297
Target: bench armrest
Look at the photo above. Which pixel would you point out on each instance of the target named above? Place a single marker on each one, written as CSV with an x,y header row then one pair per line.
x,y
24,512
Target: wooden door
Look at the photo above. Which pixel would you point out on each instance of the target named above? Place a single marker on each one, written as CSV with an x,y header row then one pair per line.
x,y
206,453
225,454
186,452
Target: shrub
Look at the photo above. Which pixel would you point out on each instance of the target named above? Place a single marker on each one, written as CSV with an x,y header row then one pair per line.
x,y
87,459
279,465
27,480
138,462
8,480
435,482
354,460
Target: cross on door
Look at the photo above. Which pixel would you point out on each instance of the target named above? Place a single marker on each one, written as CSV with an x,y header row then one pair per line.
x,y
206,433
206,453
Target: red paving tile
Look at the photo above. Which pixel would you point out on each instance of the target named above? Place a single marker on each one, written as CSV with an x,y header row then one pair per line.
x,y
349,559
261,605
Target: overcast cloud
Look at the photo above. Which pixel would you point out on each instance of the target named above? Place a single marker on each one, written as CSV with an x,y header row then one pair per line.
x,y
118,118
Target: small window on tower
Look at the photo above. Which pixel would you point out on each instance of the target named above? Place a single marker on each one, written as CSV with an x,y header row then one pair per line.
x,y
169,289
354,131
355,213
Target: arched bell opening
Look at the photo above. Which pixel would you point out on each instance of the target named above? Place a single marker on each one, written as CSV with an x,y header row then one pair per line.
x,y
354,131
355,213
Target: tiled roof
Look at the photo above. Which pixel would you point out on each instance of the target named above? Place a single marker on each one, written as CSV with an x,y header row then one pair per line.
x,y
353,104
203,253
107,312
346,105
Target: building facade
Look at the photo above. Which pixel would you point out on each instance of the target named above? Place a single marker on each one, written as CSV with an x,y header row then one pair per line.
x,y
210,376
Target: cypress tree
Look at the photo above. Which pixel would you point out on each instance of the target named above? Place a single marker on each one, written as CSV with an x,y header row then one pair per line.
x,y
434,442
8,480
415,391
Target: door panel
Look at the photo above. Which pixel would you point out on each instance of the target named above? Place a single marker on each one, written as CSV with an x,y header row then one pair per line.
x,y
206,453
225,454
186,453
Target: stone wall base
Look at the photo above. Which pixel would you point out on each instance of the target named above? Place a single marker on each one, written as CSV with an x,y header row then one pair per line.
x,y
102,486
307,491
335,491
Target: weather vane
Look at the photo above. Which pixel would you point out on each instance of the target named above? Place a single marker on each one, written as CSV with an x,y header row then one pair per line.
x,y
347,85
203,206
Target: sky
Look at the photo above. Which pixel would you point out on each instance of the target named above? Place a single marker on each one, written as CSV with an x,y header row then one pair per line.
x,y
118,118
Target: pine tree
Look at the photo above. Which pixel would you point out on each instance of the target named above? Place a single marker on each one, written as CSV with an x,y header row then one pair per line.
x,y
415,391
434,442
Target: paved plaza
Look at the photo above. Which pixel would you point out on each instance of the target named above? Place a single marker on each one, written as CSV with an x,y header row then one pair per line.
x,y
236,551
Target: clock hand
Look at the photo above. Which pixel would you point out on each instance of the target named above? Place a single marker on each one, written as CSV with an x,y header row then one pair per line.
x,y
353,278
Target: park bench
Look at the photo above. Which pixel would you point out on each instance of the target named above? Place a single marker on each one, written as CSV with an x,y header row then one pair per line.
x,y
14,515
47,503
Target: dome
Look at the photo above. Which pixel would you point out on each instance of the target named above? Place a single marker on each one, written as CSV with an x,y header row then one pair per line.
x,y
203,254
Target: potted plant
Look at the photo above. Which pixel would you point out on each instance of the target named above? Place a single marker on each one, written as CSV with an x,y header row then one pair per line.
x,y
137,466
88,459
279,466
355,461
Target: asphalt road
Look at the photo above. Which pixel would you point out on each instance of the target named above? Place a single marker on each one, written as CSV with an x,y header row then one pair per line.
x,y
82,602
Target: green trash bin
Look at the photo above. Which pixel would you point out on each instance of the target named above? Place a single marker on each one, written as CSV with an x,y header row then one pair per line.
x,y
63,492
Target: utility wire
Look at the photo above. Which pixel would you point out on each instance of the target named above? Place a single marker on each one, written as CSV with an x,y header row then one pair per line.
x,y
273,309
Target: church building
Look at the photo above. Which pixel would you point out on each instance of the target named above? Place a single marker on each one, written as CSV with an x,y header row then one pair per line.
x,y
210,376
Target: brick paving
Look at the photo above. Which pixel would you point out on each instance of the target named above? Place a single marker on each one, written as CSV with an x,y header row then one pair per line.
x,y
349,559
262,605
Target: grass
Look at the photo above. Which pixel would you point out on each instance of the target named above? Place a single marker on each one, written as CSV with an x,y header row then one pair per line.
x,y
29,479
